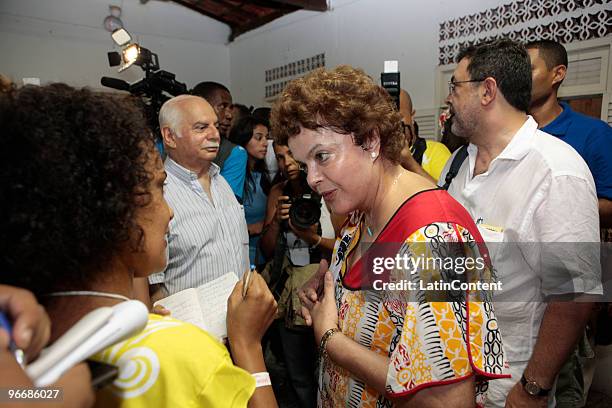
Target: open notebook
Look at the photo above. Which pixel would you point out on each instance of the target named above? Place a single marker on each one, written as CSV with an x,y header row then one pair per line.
x,y
204,306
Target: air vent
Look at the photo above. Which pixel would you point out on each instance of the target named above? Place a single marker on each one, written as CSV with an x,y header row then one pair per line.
x,y
427,119
277,78
583,72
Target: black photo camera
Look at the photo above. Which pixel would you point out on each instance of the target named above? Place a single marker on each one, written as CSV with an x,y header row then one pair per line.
x,y
305,208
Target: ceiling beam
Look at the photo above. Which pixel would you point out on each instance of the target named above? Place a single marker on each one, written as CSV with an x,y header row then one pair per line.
x,y
196,8
312,5
232,12
200,7
228,9
236,31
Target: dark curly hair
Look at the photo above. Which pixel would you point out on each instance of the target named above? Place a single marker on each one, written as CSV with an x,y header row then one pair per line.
x,y
344,100
71,167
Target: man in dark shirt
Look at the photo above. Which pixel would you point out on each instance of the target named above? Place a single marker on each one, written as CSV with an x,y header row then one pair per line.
x,y
590,137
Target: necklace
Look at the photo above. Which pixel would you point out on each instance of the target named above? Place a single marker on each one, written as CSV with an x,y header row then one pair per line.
x,y
369,230
396,178
88,293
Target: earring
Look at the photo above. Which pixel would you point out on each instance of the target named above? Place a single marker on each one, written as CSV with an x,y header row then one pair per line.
x,y
373,154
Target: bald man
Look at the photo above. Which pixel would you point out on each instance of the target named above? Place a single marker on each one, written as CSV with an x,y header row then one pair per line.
x,y
422,156
231,158
208,234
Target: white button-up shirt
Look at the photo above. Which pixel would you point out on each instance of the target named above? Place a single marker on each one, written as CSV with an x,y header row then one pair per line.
x,y
536,208
207,239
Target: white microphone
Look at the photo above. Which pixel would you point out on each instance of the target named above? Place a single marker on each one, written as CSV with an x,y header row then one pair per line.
x,y
96,331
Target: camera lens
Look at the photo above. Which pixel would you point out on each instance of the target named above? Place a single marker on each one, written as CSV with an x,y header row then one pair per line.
x,y
305,211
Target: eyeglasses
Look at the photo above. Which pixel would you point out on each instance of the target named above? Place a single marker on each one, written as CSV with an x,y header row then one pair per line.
x,y
453,84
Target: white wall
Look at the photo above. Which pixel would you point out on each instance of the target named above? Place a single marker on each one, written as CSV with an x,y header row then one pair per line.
x,y
64,40
362,33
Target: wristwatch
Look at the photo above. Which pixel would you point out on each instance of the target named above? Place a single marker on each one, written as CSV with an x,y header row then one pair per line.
x,y
533,388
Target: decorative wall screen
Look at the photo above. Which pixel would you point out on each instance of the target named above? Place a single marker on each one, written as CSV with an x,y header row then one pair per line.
x,y
527,20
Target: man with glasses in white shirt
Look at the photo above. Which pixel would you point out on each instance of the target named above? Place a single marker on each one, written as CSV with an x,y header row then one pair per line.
x,y
533,199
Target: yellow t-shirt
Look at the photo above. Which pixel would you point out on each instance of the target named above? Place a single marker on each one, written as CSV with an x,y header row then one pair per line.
x,y
173,364
435,157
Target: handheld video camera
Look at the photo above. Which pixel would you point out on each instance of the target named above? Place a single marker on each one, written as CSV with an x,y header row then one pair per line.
x,y
153,87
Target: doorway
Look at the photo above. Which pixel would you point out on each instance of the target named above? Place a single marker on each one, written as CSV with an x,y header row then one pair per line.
x,y
587,105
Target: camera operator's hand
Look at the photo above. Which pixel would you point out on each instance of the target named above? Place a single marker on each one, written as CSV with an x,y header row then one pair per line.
x,y
282,209
308,235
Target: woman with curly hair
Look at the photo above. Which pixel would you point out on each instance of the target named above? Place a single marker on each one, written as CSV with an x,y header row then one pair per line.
x,y
82,194
379,346
252,134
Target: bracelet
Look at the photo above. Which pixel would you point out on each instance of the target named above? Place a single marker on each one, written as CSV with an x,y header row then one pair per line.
x,y
318,242
326,336
262,379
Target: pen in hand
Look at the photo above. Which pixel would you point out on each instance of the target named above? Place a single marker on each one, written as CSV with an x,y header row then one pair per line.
x,y
17,352
247,280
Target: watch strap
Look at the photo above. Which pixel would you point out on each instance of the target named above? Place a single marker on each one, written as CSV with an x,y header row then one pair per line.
x,y
540,392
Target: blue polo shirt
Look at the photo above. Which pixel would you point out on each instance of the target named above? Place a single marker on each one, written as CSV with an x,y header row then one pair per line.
x,y
592,139
234,170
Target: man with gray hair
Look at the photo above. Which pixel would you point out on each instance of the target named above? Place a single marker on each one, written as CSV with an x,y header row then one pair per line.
x,y
231,158
208,234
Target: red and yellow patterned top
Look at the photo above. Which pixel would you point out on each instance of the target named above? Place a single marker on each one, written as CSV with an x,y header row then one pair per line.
x,y
423,332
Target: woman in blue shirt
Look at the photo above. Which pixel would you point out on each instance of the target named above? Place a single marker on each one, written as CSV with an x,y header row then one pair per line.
x,y
252,134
